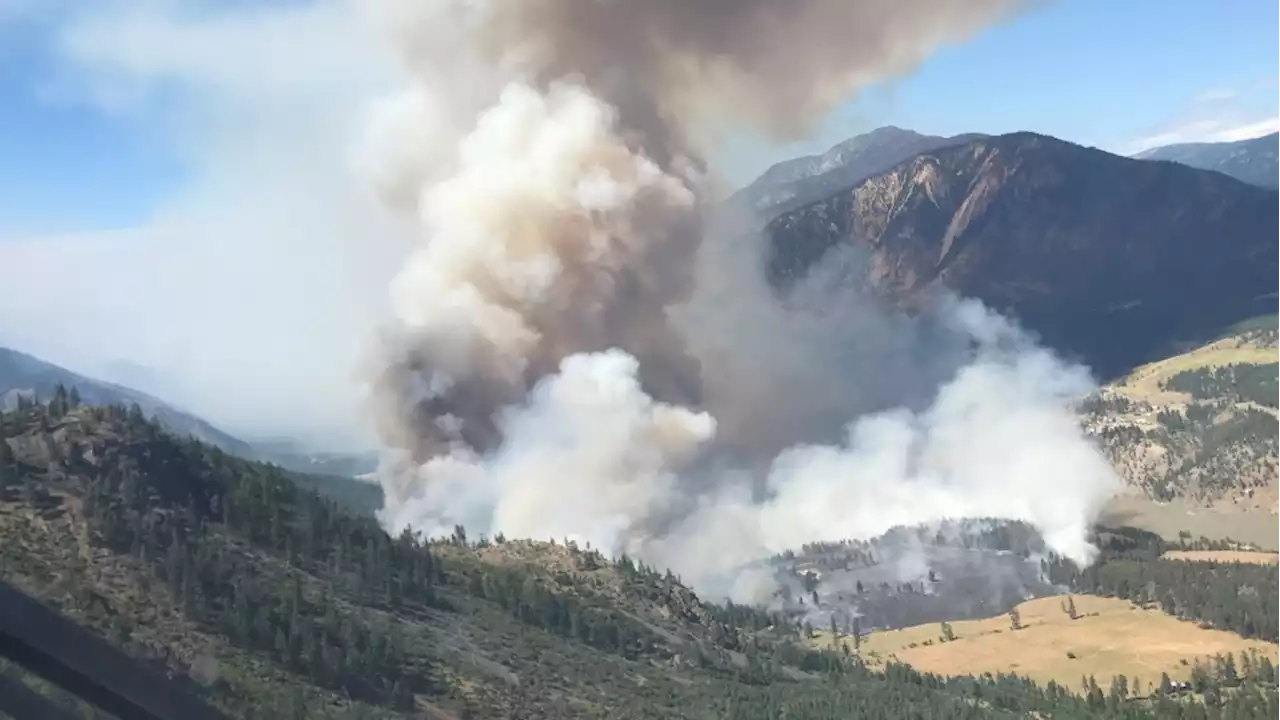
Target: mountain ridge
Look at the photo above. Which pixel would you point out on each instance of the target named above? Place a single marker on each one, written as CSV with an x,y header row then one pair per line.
x,y
1254,160
796,181
1074,242
23,374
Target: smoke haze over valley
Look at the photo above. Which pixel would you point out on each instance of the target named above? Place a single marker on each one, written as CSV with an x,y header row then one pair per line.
x,y
638,359
486,239
581,350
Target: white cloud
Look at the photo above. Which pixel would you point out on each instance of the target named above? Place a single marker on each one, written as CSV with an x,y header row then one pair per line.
x,y
1205,131
1215,115
1216,94
1246,131
253,288
249,57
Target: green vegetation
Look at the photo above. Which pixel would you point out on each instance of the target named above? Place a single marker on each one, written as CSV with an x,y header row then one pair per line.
x,y
1237,382
1241,597
272,599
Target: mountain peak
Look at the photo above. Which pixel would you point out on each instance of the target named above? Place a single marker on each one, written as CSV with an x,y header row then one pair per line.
x,y
1082,246
1255,160
793,183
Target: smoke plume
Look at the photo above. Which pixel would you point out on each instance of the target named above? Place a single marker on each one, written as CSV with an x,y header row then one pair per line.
x,y
580,349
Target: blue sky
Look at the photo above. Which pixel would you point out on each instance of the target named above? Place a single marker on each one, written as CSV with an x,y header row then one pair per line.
x,y
1098,72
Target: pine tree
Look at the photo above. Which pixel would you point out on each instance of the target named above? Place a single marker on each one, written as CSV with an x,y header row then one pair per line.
x,y
1228,672
58,405
136,419
1265,670
1096,698
8,466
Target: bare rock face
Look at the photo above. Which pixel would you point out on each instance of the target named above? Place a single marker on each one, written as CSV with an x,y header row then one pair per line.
x,y
1110,260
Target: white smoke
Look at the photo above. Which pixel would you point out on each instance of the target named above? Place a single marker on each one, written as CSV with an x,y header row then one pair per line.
x,y
578,353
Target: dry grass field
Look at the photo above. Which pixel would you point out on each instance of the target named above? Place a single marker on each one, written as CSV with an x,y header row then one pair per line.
x,y
1110,637
1144,383
1224,556
1257,527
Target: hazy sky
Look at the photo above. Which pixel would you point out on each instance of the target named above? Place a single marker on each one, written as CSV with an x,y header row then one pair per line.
x,y
212,139
1118,75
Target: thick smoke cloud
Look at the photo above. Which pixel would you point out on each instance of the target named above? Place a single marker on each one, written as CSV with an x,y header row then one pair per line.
x,y
581,350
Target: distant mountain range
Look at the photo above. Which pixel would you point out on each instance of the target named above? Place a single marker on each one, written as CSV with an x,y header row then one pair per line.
x,y
1255,161
1111,260
294,456
792,183
23,374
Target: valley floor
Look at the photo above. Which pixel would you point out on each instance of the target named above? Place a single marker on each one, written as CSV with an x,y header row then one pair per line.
x,y
1258,527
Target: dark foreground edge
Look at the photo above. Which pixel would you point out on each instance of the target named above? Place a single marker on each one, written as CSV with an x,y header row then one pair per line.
x,y
53,647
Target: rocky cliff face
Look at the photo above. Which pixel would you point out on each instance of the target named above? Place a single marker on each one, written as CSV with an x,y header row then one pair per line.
x,y
1110,260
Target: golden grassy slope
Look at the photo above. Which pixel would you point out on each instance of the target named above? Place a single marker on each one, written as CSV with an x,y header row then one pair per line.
x,y
1144,383
1111,637
1224,556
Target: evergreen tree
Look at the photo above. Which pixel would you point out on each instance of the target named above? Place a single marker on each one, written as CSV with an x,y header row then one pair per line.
x,y
59,404
8,466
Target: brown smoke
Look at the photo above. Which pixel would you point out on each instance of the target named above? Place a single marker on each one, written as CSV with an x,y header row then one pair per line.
x,y
564,217
776,65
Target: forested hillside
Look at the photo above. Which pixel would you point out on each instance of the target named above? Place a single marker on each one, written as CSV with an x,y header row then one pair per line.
x,y
1200,425
271,599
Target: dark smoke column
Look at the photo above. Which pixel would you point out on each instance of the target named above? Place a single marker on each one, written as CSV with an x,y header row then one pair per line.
x,y
559,187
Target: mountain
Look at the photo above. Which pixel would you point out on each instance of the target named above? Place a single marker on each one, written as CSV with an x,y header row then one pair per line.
x,y
1255,161
1110,260
25,375
795,182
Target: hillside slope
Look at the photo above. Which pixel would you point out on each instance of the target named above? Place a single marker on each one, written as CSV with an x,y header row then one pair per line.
x,y
273,601
1200,425
1255,161
1110,260
26,375
267,596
